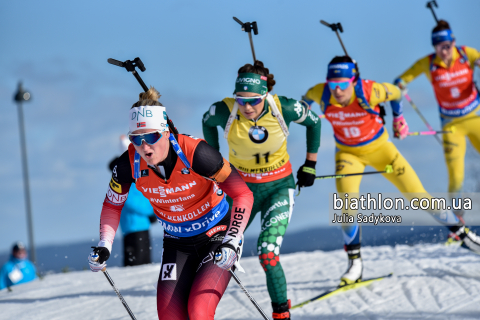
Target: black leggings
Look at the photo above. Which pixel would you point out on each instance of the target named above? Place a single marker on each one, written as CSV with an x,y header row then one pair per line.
x,y
136,248
190,285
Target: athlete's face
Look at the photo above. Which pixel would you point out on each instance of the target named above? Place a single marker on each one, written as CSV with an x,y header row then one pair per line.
x,y
445,50
153,153
20,254
248,111
342,96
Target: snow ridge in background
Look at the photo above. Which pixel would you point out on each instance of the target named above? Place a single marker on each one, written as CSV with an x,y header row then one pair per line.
x,y
429,282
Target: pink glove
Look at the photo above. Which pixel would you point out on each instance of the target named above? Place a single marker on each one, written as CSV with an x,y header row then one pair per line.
x,y
400,127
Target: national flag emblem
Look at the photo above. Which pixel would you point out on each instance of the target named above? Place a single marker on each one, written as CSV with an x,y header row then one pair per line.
x,y
263,78
141,124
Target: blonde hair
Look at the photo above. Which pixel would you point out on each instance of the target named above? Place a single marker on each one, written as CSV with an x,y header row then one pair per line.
x,y
149,98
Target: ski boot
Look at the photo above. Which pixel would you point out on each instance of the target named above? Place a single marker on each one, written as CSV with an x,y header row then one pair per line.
x,y
355,266
453,238
470,239
280,310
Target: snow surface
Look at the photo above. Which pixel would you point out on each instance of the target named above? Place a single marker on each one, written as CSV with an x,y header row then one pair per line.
x,y
429,282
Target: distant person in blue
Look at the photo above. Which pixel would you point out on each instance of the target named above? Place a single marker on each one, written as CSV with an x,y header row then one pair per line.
x,y
18,269
135,220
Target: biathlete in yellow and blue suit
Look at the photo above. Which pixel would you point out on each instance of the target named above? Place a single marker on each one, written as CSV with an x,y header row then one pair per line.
x,y
450,70
351,105
256,126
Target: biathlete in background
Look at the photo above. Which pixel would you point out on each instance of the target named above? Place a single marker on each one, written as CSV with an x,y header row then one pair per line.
x,y
450,70
185,180
255,124
351,105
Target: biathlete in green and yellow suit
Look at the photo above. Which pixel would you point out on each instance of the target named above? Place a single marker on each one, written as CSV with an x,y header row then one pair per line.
x,y
256,126
351,105
450,70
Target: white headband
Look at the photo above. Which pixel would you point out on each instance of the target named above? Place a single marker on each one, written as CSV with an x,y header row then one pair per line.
x,y
148,117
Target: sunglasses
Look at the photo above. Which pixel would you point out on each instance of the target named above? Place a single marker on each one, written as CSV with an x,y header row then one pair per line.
x,y
149,138
253,101
341,84
447,46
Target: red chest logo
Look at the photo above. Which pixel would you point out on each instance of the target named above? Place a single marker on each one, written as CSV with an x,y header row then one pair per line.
x,y
353,125
453,87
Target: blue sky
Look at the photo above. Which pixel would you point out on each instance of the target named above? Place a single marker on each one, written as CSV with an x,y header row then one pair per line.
x,y
192,51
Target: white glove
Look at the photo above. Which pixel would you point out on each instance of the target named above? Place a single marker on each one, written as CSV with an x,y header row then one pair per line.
x,y
229,253
402,85
97,258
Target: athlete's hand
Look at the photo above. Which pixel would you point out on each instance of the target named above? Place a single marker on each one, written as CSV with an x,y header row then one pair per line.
x,y
97,258
307,101
229,253
306,174
401,84
400,127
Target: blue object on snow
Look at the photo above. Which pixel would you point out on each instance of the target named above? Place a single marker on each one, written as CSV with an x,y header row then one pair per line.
x,y
16,271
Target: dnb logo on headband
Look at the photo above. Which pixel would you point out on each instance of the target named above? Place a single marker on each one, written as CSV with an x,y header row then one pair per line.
x,y
148,117
258,134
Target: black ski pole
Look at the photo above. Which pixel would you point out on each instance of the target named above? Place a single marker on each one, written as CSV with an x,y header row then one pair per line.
x,y
430,5
104,270
264,315
130,66
388,169
336,27
248,27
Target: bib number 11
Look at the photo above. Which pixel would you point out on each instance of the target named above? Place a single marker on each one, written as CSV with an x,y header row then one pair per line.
x,y
257,157
351,132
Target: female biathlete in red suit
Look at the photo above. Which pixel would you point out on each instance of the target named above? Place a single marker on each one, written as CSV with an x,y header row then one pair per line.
x,y
186,181
450,70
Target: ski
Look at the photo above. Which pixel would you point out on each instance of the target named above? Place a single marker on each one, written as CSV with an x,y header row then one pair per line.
x,y
337,290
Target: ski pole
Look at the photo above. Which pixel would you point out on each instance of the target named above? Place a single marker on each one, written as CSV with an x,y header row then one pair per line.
x,y
130,66
430,5
335,27
248,27
428,133
249,295
104,270
388,169
421,116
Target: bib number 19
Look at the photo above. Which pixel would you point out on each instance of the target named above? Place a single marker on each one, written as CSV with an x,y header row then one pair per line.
x,y
351,132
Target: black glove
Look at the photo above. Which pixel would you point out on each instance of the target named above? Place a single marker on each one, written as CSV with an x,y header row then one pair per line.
x,y
306,174
102,252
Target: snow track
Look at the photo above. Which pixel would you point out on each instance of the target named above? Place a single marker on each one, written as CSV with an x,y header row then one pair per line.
x,y
429,282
